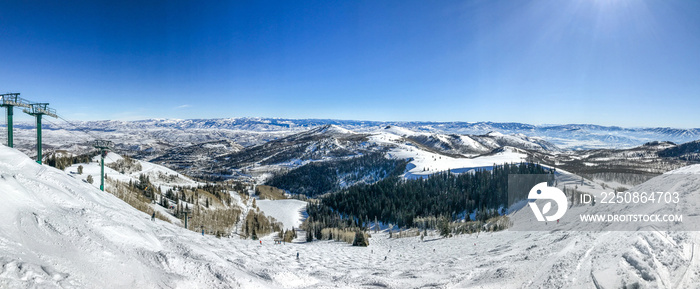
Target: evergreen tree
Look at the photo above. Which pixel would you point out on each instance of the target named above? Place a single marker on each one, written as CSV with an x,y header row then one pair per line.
x,y
309,236
444,227
360,239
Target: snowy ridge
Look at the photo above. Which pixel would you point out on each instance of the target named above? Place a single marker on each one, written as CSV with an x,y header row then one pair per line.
x,y
213,149
692,169
333,129
159,175
154,136
470,144
425,163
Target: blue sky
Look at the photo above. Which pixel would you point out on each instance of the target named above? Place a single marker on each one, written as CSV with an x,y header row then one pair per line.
x,y
610,62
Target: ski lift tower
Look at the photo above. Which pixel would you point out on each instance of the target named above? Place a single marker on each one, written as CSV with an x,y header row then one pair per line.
x,y
9,101
38,110
187,212
103,146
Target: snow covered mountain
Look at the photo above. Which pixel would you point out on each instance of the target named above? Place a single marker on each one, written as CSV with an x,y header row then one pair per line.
x,y
427,153
572,136
471,144
331,141
431,152
327,141
162,134
239,147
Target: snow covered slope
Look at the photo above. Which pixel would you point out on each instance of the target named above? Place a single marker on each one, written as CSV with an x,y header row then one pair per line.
x,y
471,144
61,232
612,255
424,162
158,175
288,212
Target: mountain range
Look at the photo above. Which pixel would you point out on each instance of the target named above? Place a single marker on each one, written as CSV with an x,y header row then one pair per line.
x,y
250,131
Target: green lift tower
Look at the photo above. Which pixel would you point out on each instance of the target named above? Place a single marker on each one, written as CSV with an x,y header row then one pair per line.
x,y
103,146
9,101
38,110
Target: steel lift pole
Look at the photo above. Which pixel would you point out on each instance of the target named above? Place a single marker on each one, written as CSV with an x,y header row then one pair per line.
x,y
9,101
38,110
103,146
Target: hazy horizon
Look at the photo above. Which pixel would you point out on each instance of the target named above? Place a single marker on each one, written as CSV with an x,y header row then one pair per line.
x,y
30,119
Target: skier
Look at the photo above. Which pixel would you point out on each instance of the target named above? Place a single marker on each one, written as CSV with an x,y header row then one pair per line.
x,y
297,255
260,242
153,217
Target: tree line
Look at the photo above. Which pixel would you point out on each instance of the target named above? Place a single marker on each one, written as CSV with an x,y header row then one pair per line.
x,y
399,201
62,162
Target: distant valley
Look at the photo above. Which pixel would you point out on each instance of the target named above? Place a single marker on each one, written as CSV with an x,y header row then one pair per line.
x,y
260,148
